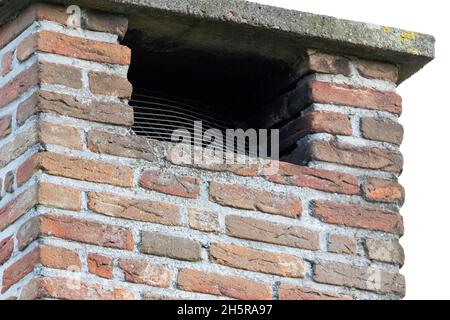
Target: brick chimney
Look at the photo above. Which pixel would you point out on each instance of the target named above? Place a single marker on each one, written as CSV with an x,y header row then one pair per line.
x,y
90,209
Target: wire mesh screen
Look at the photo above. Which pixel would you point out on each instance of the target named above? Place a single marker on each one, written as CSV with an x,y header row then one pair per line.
x,y
157,116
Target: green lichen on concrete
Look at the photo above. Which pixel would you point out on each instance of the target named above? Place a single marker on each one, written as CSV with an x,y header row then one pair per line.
x,y
241,26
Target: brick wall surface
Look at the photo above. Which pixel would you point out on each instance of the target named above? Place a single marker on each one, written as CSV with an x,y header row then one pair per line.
x,y
90,211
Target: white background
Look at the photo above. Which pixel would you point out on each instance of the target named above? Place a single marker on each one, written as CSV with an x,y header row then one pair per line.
x,y
426,148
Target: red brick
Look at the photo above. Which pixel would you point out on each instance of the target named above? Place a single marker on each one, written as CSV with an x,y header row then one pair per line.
x,y
86,231
380,190
76,47
288,292
364,278
58,196
15,87
182,156
142,272
223,285
20,269
108,23
13,210
271,232
356,216
59,258
86,170
203,220
314,122
6,249
60,74
70,289
100,265
169,183
6,63
62,135
254,199
123,146
27,169
257,260
5,126
134,209
350,155
317,62
377,70
109,85
324,180
340,94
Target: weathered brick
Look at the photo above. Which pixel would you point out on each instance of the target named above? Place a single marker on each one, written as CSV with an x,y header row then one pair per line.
x,y
365,278
169,183
18,146
118,145
257,260
385,251
86,170
67,105
381,190
270,232
341,94
254,199
159,244
60,74
342,244
5,126
15,87
68,289
17,207
314,122
9,182
159,297
6,63
324,180
86,231
350,155
382,129
59,258
203,220
27,109
76,47
62,197
100,265
62,135
28,232
20,269
109,85
356,216
27,169
6,249
103,22
182,156
317,62
142,272
289,292
223,285
134,209
377,70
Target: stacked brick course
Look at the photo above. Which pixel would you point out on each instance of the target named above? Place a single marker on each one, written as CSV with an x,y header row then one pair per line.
x,y
90,211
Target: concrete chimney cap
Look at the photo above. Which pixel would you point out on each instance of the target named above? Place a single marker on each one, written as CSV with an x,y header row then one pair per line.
x,y
282,32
